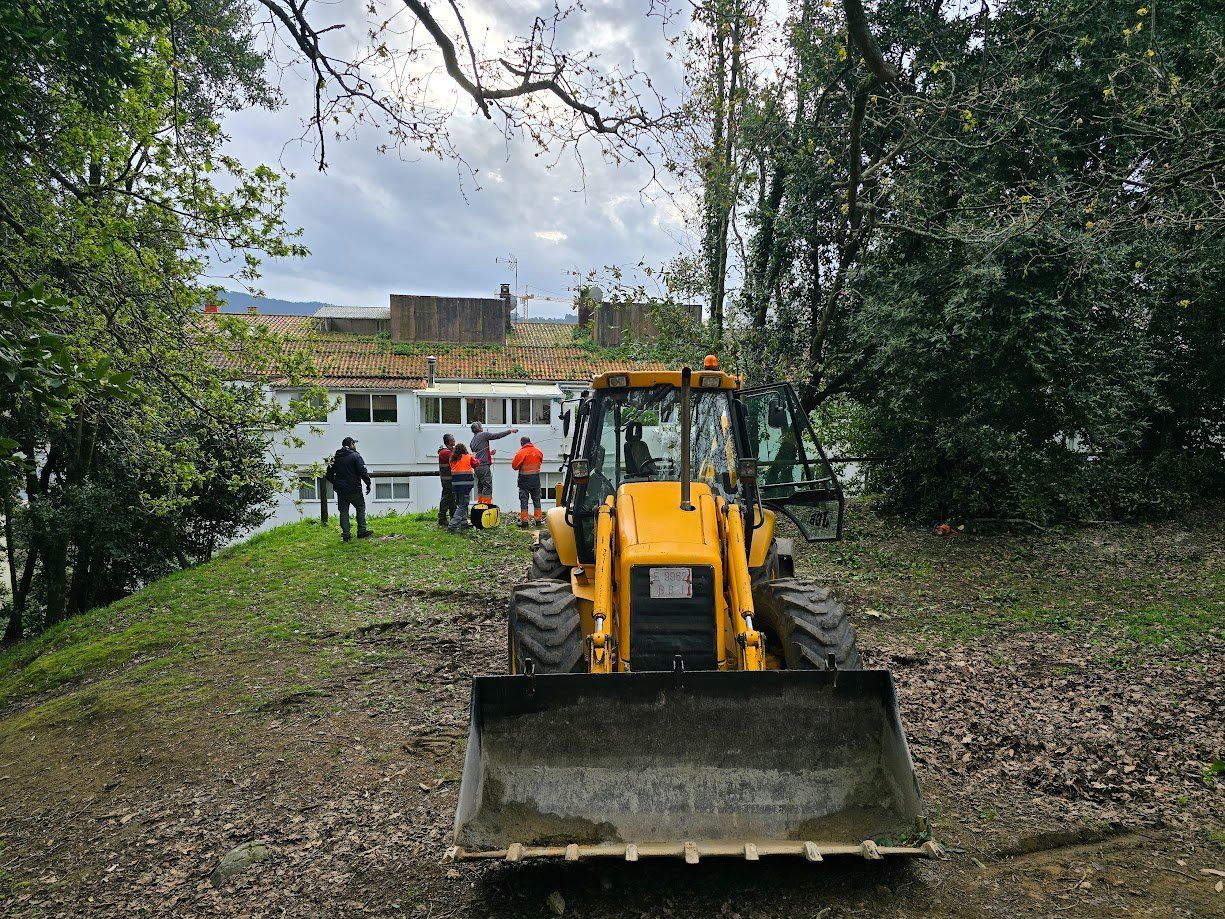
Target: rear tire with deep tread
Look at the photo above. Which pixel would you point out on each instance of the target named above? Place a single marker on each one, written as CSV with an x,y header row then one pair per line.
x,y
805,624
544,625
768,570
546,564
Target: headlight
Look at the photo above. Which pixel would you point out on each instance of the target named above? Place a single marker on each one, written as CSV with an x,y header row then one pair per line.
x,y
580,469
710,381
618,381
746,469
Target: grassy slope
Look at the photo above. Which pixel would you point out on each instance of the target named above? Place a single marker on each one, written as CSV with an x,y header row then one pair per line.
x,y
237,701
1130,591
258,608
1126,592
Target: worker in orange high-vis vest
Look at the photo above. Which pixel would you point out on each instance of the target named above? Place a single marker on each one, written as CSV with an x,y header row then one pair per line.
x,y
463,466
527,463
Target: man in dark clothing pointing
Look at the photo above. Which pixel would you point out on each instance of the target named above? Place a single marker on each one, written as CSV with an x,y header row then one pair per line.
x,y
479,446
347,473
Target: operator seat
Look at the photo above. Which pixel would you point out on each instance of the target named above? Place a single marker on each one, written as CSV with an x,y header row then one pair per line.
x,y
639,463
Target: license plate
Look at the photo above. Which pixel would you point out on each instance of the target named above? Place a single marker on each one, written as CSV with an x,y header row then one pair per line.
x,y
671,583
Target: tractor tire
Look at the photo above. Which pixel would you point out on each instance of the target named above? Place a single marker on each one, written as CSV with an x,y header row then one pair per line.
x,y
546,565
805,624
768,571
544,625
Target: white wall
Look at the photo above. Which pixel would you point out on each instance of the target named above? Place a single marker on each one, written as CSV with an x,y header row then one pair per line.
x,y
405,444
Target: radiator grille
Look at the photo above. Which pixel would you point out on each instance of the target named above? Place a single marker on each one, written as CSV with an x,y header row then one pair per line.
x,y
662,628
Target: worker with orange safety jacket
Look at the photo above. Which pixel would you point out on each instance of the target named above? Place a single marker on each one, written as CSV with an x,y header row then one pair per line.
x,y
463,476
446,501
527,462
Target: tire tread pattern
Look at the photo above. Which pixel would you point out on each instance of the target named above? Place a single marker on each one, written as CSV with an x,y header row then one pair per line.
x,y
544,625
546,564
808,623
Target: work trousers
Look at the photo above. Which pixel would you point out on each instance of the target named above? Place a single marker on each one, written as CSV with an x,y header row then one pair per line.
x,y
358,500
529,490
463,494
484,483
446,503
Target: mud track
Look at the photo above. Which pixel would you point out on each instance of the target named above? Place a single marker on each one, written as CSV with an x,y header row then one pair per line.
x,y
352,784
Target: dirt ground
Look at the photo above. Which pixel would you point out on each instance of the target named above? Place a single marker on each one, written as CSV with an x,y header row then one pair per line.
x,y
1061,783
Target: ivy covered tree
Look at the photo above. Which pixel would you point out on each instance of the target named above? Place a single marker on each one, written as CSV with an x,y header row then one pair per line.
x,y
125,449
990,239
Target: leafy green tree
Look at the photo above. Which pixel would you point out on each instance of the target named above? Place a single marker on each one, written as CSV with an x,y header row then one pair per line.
x,y
126,449
998,232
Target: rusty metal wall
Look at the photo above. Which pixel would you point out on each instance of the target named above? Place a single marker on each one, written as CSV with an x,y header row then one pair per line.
x,y
614,320
461,320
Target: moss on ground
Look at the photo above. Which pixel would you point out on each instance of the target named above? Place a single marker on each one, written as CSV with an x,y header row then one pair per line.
x,y
1129,591
261,606
267,616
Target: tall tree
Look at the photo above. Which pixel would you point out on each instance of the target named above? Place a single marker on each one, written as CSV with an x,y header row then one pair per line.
x,y
996,232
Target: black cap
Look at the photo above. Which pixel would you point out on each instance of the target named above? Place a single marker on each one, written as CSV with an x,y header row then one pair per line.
x,y
348,442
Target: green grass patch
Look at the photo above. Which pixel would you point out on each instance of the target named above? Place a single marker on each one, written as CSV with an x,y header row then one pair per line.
x,y
259,602
1176,627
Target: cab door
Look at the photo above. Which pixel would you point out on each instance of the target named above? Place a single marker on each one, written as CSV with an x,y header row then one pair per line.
x,y
793,474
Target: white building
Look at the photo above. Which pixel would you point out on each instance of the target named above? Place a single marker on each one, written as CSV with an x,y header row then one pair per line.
x,y
398,399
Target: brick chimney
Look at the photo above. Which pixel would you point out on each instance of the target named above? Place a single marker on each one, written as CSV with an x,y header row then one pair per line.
x,y
507,298
211,307
252,310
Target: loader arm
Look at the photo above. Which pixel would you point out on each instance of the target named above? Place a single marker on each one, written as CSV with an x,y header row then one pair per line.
x,y
601,645
749,641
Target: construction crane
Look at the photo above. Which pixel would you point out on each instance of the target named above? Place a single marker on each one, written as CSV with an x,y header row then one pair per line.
x,y
525,297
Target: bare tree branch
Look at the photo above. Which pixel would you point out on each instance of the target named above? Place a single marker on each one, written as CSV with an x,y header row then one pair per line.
x,y
861,35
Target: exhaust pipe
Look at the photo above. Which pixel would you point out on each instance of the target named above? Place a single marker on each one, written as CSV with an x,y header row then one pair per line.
x,y
686,425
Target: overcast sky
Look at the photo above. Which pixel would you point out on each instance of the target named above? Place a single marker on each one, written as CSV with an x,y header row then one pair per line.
x,y
408,223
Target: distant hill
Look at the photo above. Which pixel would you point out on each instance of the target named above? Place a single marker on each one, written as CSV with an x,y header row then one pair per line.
x,y
232,301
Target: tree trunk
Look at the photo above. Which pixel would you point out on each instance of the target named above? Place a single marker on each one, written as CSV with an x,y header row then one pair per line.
x,y
55,578
14,628
715,180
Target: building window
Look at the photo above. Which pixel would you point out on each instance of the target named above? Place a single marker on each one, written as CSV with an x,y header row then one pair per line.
x,y
533,411
486,411
316,407
440,410
308,489
384,409
548,483
361,407
394,490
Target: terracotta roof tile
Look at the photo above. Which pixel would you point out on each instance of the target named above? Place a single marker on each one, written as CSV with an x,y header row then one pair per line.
x,y
533,351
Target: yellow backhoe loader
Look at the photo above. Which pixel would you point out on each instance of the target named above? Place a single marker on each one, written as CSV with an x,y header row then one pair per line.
x,y
674,689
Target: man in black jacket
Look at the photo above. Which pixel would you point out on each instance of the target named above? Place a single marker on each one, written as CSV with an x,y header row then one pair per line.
x,y
347,472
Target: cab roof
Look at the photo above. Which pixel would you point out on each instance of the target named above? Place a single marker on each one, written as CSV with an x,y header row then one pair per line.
x,y
645,379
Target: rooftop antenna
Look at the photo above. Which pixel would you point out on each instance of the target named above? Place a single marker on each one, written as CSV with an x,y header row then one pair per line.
x,y
513,261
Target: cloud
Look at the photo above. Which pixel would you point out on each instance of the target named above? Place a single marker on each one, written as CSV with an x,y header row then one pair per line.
x,y
378,223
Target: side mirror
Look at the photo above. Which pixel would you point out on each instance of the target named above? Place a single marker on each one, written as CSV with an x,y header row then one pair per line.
x,y
565,422
776,416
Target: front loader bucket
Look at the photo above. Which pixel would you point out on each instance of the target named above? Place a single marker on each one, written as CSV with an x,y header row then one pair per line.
x,y
809,763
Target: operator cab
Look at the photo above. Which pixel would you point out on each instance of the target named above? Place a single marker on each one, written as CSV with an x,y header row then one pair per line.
x,y
630,431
